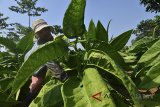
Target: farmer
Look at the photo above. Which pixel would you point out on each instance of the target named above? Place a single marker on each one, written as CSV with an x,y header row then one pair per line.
x,y
42,35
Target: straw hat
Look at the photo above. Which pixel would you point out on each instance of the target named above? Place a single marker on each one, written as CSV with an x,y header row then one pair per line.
x,y
39,24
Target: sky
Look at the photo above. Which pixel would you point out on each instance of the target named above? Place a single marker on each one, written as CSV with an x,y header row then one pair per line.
x,y
125,14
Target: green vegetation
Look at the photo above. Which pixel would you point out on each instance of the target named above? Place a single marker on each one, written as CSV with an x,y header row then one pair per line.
x,y
103,73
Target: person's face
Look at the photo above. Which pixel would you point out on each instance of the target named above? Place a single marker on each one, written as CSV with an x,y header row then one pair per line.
x,y
45,33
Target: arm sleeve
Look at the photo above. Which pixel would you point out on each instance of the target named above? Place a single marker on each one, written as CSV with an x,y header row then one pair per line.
x,y
56,70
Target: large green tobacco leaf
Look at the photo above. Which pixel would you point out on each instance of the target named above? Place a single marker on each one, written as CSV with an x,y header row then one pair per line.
x,y
108,50
93,84
50,51
118,99
73,22
152,55
6,71
119,42
83,93
5,83
6,103
142,45
25,43
152,78
1,56
8,43
153,102
91,31
49,96
150,103
102,46
101,33
117,58
105,62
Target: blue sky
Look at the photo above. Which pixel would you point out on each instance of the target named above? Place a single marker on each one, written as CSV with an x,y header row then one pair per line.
x,y
125,14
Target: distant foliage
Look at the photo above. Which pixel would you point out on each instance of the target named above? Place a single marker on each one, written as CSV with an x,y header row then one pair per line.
x,y
151,5
28,7
148,28
103,73
3,23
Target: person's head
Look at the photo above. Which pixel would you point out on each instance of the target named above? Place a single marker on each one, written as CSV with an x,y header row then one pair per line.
x,y
42,30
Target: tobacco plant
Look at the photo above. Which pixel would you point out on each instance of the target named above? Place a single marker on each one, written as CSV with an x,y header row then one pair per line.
x,y
97,68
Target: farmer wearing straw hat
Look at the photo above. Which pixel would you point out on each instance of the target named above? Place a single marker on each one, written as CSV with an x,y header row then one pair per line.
x,y
43,34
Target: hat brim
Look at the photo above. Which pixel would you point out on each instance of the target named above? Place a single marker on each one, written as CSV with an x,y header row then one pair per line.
x,y
44,26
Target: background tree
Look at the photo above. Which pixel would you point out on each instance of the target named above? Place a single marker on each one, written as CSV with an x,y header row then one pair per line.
x,y
3,23
148,28
4,26
18,31
151,5
28,7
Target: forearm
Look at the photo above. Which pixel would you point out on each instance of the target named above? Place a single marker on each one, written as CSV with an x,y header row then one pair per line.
x,y
35,87
38,79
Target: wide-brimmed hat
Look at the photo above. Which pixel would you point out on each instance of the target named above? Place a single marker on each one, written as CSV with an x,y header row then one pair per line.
x,y
39,24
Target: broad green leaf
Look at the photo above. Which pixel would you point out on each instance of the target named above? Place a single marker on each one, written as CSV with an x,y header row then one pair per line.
x,y
2,72
117,58
25,43
119,42
153,102
93,84
105,62
73,22
49,96
78,93
5,83
72,92
108,50
150,103
152,78
50,51
101,34
152,55
118,99
91,31
1,56
100,45
6,103
72,61
55,95
8,43
142,72
153,61
142,45
153,58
